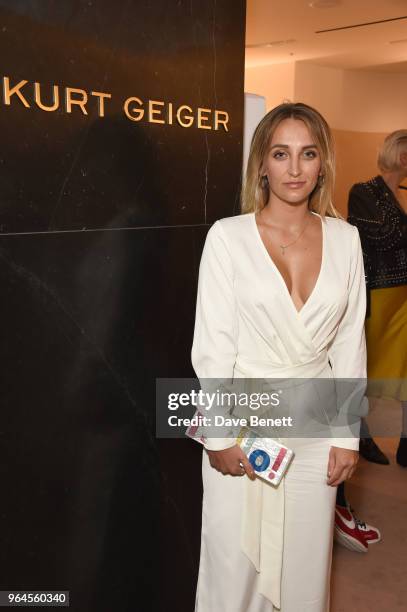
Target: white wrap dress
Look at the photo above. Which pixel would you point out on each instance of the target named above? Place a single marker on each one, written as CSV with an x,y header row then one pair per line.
x,y
265,548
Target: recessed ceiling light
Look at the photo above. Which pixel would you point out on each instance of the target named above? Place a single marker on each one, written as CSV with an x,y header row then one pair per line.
x,y
273,43
322,4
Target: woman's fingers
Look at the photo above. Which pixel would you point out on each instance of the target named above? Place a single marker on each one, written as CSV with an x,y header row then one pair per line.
x,y
345,476
340,474
334,467
335,476
231,461
341,465
247,466
331,465
226,461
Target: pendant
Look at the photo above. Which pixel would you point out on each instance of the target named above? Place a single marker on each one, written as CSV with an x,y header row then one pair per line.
x,y
282,249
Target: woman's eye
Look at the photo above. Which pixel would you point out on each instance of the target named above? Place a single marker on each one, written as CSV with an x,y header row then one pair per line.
x,y
279,154
310,154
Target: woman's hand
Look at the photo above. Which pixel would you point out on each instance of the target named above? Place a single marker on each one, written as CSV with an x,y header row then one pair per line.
x,y
230,461
341,464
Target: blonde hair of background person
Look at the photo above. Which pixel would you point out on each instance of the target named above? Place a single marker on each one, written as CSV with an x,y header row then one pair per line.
x,y
256,193
392,150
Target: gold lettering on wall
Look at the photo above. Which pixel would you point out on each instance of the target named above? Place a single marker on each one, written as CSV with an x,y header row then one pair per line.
x,y
224,121
202,118
152,111
40,104
185,120
134,108
14,91
169,113
135,114
69,101
101,101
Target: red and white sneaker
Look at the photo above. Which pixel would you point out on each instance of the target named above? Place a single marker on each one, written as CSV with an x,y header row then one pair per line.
x,y
352,532
347,532
370,533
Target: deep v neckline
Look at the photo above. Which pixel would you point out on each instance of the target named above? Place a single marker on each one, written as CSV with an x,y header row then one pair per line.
x,y
277,271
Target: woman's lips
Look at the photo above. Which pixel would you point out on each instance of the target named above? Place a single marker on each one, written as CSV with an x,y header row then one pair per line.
x,y
295,185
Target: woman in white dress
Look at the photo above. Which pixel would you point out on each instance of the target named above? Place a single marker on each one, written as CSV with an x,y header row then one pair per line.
x,y
281,293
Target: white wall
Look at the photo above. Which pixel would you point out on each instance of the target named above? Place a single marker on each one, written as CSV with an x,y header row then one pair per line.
x,y
355,100
274,82
254,111
352,100
322,88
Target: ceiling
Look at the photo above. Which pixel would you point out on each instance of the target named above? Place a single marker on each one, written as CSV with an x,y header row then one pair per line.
x,y
291,27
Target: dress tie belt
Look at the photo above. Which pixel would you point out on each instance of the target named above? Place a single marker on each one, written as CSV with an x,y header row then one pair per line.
x,y
262,529
252,368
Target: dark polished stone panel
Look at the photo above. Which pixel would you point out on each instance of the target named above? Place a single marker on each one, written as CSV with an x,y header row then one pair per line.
x,y
185,52
88,325
102,223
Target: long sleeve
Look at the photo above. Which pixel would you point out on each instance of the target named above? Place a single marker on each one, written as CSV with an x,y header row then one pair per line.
x,y
347,354
379,230
214,346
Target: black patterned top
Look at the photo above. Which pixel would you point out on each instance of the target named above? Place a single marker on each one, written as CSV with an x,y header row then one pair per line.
x,y
382,225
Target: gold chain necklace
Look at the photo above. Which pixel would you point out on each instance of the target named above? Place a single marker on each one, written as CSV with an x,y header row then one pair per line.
x,y
283,247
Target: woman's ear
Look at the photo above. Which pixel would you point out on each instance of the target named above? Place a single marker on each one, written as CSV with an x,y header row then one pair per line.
x,y
263,173
403,159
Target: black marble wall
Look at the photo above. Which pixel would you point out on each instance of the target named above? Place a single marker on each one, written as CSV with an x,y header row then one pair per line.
x,y
102,223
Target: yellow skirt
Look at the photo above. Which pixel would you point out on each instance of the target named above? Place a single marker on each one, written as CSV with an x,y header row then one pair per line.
x,y
386,337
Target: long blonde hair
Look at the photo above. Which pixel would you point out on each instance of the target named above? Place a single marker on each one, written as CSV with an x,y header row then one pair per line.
x,y
255,192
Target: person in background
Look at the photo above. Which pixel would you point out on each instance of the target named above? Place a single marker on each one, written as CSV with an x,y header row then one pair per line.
x,y
378,208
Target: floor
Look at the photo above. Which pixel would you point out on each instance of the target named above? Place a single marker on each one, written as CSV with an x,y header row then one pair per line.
x,y
376,581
